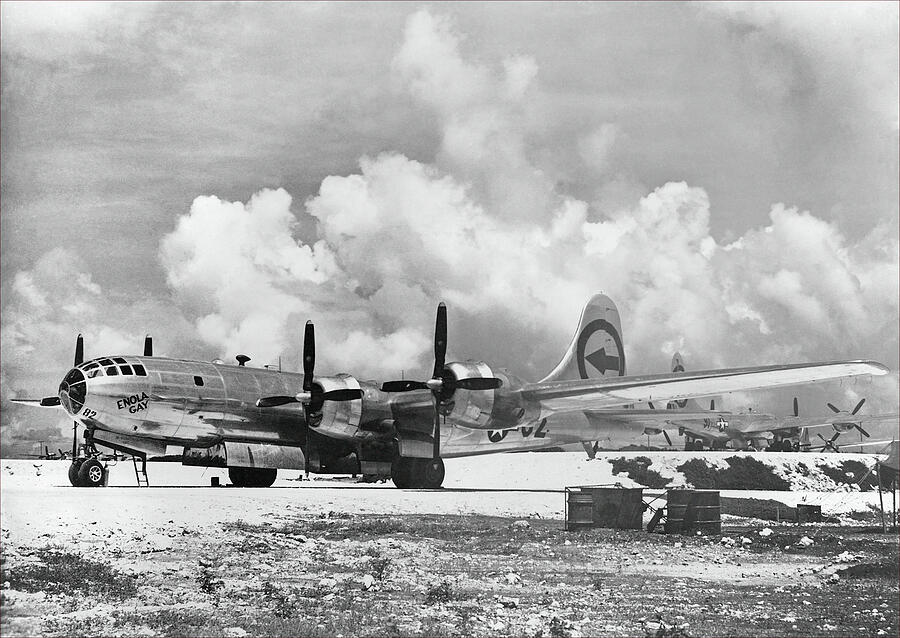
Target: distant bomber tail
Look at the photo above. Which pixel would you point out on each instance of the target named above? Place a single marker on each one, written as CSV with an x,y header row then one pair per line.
x,y
691,405
596,349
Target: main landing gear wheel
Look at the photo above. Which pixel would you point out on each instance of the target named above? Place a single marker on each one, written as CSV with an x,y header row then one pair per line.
x,y
417,473
91,473
431,472
252,476
402,471
73,472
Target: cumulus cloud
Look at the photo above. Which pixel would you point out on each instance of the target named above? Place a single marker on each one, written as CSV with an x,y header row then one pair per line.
x,y
840,38
486,226
400,234
238,266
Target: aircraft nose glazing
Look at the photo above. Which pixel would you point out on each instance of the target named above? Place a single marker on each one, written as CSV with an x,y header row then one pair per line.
x,y
72,391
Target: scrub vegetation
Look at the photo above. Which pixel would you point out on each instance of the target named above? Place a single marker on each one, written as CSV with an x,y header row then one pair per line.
x,y
433,575
638,469
57,571
852,472
742,473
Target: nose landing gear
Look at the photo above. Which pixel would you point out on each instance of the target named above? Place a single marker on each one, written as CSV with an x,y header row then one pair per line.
x,y
86,469
87,472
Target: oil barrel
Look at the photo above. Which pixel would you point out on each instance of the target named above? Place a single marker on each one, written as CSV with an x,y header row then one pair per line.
x,y
677,502
579,509
704,513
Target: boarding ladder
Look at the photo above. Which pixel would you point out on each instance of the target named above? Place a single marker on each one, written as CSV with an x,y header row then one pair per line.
x,y
140,472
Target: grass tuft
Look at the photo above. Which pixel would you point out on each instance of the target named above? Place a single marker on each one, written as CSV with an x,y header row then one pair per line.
x,y
66,572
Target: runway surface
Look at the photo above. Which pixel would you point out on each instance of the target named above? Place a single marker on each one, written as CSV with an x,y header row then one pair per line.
x,y
38,502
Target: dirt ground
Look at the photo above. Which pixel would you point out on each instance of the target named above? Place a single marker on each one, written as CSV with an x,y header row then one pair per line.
x,y
442,575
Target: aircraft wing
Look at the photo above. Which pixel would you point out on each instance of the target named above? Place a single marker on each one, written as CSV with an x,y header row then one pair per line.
x,y
865,444
582,394
658,418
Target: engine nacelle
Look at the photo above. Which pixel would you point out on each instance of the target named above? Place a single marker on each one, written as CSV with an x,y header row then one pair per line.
x,y
471,408
340,418
842,427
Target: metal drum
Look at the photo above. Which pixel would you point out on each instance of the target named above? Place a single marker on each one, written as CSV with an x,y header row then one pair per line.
x,y
705,513
692,511
809,513
579,509
676,508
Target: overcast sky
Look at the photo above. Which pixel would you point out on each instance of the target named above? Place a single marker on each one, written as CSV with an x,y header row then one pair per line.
x,y
215,174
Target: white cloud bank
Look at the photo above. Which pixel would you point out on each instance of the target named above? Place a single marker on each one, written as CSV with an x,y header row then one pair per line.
x,y
486,229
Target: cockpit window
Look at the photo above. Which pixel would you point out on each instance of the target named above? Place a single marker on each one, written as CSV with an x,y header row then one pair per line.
x,y
119,360
94,372
111,371
106,362
90,366
125,369
139,370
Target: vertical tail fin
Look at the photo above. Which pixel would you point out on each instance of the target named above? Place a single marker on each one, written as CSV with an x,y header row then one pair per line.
x,y
596,349
692,405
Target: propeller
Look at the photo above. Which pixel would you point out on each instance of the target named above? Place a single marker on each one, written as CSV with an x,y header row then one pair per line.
x,y
852,413
796,407
79,358
442,383
829,443
148,346
311,396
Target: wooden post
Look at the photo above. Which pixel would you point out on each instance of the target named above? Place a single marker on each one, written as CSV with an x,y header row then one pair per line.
x,y
880,499
894,499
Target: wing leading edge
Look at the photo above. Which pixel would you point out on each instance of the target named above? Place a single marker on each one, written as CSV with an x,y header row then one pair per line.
x,y
610,392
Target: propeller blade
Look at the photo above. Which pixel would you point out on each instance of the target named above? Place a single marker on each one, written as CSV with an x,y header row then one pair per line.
x,y
403,386
712,404
436,451
271,402
49,402
74,439
309,355
79,350
346,394
650,403
833,409
440,340
861,431
834,438
476,383
796,407
148,346
668,440
818,434
858,406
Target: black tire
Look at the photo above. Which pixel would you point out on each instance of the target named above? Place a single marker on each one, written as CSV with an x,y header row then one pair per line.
x,y
252,476
430,472
91,473
73,472
402,472
787,445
